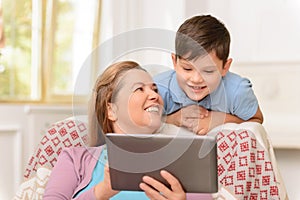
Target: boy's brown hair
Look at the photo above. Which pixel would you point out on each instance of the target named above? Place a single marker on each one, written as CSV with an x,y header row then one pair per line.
x,y
202,34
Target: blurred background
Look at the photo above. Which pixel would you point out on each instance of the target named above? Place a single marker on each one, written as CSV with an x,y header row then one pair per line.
x,y
45,44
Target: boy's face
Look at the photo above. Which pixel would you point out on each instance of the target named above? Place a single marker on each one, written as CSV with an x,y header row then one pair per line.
x,y
200,77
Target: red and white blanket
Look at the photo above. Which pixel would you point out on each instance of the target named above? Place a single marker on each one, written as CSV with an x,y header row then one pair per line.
x,y
247,168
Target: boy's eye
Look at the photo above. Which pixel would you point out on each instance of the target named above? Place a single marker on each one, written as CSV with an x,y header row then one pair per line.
x,y
209,71
186,68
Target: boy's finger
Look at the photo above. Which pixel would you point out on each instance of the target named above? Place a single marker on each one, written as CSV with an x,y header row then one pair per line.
x,y
201,132
206,113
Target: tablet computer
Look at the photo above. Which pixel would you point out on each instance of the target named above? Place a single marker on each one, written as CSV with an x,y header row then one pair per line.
x,y
192,159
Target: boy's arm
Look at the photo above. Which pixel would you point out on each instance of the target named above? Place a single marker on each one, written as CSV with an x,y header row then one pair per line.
x,y
218,118
198,120
183,116
258,117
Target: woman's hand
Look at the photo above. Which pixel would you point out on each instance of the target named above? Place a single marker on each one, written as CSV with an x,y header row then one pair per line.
x,y
103,190
158,191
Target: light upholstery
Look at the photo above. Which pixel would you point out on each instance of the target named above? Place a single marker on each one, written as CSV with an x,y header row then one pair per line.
x,y
247,165
63,134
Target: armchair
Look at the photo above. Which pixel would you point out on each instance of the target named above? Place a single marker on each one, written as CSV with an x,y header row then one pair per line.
x,y
62,134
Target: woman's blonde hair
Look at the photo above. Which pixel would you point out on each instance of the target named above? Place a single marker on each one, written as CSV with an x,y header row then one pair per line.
x,y
104,91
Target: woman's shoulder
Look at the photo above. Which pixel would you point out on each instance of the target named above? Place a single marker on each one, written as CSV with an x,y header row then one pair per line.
x,y
80,152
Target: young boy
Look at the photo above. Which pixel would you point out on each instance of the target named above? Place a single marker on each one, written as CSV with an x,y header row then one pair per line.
x,y
200,93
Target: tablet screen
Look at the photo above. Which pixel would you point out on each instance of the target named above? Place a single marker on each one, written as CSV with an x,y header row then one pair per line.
x,y
192,159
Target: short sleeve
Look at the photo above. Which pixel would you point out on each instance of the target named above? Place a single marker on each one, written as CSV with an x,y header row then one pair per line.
x,y
162,82
164,93
245,103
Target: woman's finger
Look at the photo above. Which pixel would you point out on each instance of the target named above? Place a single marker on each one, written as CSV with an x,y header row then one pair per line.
x,y
151,193
174,183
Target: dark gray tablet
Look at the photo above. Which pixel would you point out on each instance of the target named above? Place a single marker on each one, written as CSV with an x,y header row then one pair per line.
x,y
190,158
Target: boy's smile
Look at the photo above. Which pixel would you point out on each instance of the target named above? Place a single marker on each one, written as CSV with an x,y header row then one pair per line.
x,y
200,77
198,89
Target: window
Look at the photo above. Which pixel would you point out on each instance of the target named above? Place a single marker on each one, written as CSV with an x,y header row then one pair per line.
x,y
43,46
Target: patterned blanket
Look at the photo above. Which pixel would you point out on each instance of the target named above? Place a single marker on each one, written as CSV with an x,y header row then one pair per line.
x,y
63,134
247,168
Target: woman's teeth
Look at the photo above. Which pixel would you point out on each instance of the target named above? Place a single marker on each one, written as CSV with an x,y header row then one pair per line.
x,y
152,109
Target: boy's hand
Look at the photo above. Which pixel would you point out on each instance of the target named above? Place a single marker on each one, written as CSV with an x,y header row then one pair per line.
x,y
200,121
199,126
184,116
214,118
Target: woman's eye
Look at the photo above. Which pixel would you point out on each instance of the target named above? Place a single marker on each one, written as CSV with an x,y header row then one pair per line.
x,y
139,89
155,90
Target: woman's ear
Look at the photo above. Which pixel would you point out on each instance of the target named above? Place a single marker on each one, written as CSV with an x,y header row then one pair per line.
x,y
112,112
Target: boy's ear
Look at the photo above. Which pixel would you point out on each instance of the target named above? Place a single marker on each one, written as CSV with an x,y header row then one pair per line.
x,y
226,66
174,60
112,112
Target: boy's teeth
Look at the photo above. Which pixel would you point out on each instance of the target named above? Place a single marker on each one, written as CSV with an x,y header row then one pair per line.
x,y
152,109
198,87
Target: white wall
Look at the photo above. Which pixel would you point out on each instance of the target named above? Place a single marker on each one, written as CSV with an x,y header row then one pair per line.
x,y
265,48
21,128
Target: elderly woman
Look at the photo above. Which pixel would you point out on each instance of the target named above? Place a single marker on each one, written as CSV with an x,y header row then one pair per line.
x,y
125,101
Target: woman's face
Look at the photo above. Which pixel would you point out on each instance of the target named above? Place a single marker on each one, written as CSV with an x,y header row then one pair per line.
x,y
138,106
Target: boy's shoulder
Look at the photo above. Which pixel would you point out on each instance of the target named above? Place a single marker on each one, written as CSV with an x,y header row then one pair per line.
x,y
235,84
233,76
164,77
234,79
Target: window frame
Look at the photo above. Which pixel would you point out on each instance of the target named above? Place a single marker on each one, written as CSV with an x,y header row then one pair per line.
x,y
43,31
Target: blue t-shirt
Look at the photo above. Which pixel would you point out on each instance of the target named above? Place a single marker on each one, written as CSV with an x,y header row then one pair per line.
x,y
234,95
98,176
